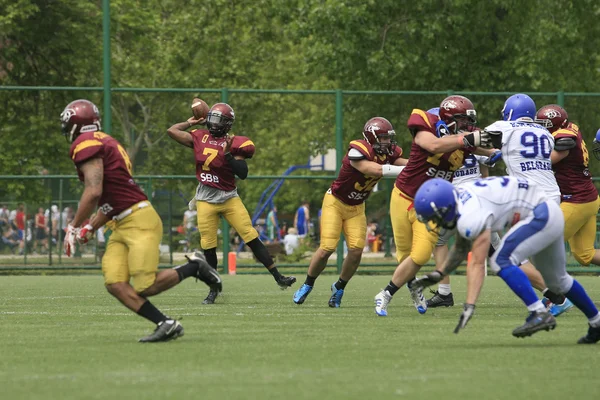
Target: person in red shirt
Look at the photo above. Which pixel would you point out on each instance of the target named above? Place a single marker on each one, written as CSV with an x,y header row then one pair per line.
x,y
20,224
132,252
41,230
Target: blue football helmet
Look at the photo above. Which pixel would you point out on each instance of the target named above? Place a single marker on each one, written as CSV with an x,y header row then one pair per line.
x,y
435,202
596,149
434,111
519,107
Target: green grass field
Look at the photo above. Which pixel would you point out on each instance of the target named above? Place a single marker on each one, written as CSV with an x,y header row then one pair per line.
x,y
64,337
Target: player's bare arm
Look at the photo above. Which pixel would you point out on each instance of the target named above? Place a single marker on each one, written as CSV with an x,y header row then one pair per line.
x,y
99,219
401,162
371,168
476,268
448,143
557,156
93,174
178,131
457,255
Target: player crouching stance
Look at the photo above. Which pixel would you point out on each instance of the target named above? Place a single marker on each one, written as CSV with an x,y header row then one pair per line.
x,y
132,251
344,203
489,205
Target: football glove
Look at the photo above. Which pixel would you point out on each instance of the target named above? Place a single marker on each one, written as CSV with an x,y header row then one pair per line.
x,y
491,160
465,316
69,243
85,234
477,139
427,280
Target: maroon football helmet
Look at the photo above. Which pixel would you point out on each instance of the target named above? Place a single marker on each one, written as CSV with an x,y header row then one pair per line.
x,y
458,113
377,129
552,117
220,119
78,117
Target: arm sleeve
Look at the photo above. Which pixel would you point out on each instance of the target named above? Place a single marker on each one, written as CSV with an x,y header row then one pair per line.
x,y
239,167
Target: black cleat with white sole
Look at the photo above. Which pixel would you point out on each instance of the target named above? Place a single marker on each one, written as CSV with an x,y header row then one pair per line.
x,y
286,281
166,330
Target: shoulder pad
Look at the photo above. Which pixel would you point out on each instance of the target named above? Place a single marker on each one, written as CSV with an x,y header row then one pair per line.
x,y
242,146
364,148
420,120
86,146
564,143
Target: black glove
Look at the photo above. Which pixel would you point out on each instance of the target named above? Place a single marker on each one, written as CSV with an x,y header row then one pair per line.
x,y
477,139
468,310
427,280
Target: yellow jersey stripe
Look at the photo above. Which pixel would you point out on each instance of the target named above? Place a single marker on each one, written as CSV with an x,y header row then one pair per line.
x,y
362,146
563,132
84,145
423,115
247,143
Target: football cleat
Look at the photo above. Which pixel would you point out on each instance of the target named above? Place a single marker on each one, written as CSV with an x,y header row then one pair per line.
x,y
440,300
382,299
593,336
165,330
416,294
557,309
302,293
212,296
205,272
535,322
286,281
335,300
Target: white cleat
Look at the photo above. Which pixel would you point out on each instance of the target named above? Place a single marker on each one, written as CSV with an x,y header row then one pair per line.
x,y
418,299
382,299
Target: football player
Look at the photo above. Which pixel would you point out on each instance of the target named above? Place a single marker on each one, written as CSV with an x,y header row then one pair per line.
x,y
596,149
439,147
579,196
489,205
474,167
526,150
221,157
365,163
132,251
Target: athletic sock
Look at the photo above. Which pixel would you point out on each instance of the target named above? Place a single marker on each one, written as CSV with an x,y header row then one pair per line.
x,y
519,284
444,289
391,288
151,313
310,281
595,322
340,284
555,298
211,257
581,300
275,274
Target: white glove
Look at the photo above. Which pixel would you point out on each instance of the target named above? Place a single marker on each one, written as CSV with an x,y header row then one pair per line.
x,y
69,243
477,139
85,234
465,316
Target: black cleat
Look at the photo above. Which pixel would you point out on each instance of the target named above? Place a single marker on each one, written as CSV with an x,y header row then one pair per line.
x,y
286,281
205,272
440,300
593,336
535,322
166,330
212,295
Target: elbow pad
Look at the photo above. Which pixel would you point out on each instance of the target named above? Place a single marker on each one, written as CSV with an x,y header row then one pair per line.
x,y
565,143
239,167
391,170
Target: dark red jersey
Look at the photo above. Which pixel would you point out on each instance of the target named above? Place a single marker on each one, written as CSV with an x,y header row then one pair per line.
x,y
423,165
572,173
212,169
119,190
352,187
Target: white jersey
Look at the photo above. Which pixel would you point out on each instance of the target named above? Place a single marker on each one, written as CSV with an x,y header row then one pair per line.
x,y
470,170
495,203
526,149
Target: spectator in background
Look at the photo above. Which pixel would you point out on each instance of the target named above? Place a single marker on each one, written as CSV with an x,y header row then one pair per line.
x,y
189,226
301,219
272,224
291,241
10,238
20,224
283,230
54,223
41,231
4,212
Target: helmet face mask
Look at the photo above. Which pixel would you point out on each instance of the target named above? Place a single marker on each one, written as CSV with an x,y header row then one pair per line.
x,y
220,119
380,134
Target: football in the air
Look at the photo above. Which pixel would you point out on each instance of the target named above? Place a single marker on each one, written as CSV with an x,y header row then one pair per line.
x,y
199,108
